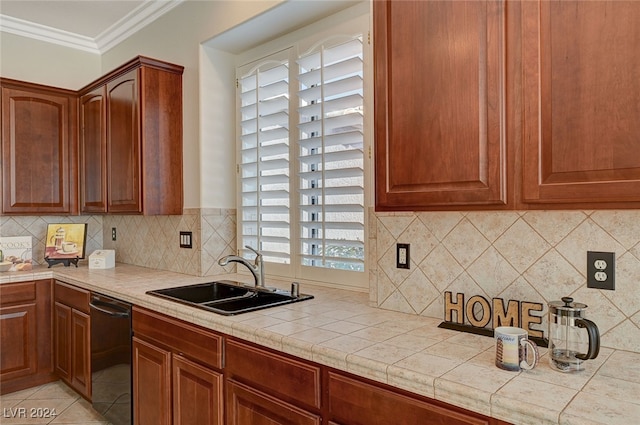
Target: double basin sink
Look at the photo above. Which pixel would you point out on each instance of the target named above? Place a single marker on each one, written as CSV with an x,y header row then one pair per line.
x,y
227,297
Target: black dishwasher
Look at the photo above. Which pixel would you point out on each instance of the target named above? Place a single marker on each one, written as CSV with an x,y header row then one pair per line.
x,y
111,358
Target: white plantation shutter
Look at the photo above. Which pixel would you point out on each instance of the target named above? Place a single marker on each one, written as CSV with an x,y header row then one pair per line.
x,y
265,221
301,197
330,156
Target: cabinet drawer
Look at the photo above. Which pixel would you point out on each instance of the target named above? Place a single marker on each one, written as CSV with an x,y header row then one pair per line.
x,y
196,343
287,378
245,405
358,403
11,293
72,296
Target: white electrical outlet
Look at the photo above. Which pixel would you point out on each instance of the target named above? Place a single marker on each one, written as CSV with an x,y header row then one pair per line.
x,y
402,256
601,270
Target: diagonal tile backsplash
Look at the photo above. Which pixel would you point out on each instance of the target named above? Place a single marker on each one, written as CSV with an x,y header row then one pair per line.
x,y
36,227
537,256
148,241
154,241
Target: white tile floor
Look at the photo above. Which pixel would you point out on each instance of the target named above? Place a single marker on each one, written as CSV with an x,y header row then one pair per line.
x,y
52,403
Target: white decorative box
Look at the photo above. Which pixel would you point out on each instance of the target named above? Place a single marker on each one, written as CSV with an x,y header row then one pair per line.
x,y
102,259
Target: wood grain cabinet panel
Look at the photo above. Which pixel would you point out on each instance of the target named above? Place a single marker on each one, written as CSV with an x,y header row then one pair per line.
x,y
93,151
19,342
292,380
151,384
72,337
246,405
174,372
581,101
25,332
197,393
439,104
123,144
39,149
62,340
81,352
354,402
131,141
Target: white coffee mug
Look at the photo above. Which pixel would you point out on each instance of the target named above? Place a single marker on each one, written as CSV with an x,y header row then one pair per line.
x,y
513,349
69,247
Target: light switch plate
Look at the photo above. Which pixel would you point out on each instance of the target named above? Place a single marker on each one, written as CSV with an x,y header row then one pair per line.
x,y
186,240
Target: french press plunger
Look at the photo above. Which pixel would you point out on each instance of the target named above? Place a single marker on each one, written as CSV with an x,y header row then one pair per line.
x,y
572,338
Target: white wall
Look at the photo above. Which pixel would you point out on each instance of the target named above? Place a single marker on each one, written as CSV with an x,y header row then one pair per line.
x,y
39,62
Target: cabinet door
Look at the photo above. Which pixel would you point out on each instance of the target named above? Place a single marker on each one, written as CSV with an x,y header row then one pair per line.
x,y
354,402
19,348
581,101
123,144
62,340
197,394
93,152
246,405
161,129
81,353
439,104
151,384
38,151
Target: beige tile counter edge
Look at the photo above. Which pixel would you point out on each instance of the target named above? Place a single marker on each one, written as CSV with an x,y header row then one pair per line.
x,y
338,329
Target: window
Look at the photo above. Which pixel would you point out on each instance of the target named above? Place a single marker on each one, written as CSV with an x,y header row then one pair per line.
x,y
301,158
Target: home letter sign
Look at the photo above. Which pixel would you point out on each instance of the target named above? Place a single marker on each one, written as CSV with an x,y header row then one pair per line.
x,y
479,312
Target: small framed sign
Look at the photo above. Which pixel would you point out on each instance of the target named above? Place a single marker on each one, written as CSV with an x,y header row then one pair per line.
x,y
65,243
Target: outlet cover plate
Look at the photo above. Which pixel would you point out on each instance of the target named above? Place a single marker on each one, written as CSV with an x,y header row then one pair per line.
x,y
601,270
403,259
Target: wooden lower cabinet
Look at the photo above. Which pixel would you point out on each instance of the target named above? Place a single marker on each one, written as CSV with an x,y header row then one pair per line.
x,y
352,401
266,387
199,387
246,405
25,332
290,379
187,375
72,337
176,372
151,384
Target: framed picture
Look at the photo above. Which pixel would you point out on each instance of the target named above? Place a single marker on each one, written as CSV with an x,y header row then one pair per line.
x,y
65,241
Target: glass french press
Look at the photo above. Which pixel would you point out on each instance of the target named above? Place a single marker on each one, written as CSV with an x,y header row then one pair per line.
x,y
572,338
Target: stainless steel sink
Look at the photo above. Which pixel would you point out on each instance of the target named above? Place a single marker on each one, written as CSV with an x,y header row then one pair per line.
x,y
227,297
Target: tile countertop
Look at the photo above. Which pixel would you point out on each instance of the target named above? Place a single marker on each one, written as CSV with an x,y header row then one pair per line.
x,y
338,329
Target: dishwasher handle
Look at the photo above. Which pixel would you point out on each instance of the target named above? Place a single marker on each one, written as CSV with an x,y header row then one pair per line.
x,y
112,310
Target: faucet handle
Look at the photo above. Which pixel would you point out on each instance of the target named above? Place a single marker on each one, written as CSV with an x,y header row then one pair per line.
x,y
256,252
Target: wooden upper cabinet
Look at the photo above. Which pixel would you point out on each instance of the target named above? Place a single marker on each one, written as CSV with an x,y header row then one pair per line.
x,y
39,149
439,104
581,86
123,146
93,151
139,169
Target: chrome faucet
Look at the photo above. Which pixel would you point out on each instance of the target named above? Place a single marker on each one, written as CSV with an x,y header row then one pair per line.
x,y
256,269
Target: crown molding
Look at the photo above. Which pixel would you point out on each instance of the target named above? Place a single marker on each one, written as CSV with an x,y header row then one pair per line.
x,y
28,29
134,21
